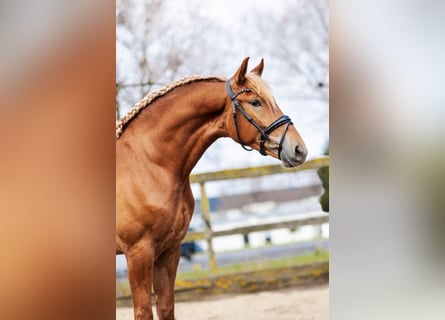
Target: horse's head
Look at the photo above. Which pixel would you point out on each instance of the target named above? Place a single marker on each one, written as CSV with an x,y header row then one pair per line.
x,y
258,122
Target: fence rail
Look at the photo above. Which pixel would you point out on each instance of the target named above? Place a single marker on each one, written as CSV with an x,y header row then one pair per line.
x,y
313,219
251,172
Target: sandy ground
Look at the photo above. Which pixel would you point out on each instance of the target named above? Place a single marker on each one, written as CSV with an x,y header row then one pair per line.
x,y
290,304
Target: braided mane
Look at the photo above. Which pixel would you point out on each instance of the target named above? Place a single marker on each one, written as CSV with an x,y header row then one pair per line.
x,y
150,97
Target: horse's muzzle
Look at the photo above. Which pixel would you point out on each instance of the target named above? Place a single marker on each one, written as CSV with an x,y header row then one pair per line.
x,y
293,156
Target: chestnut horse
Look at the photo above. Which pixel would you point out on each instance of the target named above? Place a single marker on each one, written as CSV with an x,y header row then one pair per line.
x,y
157,145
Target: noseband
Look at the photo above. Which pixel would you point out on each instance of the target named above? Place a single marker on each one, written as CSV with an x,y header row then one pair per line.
x,y
283,120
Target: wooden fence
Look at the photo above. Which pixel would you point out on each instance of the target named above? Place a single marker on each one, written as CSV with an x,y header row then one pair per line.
x,y
250,172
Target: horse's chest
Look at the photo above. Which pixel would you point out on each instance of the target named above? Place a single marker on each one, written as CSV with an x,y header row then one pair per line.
x,y
181,220
174,222
160,214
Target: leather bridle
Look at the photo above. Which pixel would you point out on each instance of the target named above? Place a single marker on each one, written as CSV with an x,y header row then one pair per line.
x,y
283,120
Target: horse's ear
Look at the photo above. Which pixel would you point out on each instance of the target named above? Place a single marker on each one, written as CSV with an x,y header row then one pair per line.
x,y
240,74
258,70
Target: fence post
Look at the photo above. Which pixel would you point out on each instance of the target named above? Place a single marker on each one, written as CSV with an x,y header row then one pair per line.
x,y
205,208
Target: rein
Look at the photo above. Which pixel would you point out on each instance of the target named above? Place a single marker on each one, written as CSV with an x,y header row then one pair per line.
x,y
283,120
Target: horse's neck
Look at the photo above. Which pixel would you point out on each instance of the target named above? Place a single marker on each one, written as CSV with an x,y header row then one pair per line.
x,y
177,129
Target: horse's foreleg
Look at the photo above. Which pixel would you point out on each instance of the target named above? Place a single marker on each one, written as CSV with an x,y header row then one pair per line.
x,y
164,282
140,275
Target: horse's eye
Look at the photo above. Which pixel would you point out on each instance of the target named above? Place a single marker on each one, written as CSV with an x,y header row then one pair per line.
x,y
255,103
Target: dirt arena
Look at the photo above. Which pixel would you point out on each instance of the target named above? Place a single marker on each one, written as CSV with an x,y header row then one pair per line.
x,y
290,304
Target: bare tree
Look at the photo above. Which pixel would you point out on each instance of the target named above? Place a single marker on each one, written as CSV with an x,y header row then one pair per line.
x,y
154,48
135,22
298,36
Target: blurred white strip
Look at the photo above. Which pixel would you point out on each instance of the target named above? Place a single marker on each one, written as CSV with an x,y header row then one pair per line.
x,y
31,29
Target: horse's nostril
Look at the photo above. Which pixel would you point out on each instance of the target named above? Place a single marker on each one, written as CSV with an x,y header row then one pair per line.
x,y
300,153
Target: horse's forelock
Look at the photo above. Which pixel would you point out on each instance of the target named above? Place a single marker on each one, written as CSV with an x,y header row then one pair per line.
x,y
260,86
